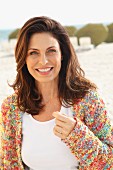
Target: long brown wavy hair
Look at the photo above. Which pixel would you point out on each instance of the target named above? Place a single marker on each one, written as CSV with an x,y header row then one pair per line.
x,y
72,83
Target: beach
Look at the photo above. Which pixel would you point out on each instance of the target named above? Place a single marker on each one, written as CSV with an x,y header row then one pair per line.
x,y
97,64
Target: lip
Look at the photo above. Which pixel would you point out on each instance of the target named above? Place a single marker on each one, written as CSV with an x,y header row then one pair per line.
x,y
44,70
44,67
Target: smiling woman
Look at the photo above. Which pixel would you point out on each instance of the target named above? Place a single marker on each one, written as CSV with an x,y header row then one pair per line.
x,y
44,58
55,119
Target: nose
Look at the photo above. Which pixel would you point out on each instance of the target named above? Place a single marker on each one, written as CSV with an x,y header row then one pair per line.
x,y
43,59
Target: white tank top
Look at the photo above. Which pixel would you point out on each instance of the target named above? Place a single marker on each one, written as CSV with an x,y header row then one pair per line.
x,y
41,149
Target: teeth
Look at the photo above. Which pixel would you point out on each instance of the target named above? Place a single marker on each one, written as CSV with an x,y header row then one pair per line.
x,y
44,70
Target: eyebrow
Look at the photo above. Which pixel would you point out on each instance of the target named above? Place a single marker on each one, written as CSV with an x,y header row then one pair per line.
x,y
38,49
32,49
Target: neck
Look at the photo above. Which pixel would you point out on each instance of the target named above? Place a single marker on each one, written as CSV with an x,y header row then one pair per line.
x,y
49,91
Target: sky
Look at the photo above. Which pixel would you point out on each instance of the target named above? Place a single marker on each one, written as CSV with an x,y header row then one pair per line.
x,y
14,13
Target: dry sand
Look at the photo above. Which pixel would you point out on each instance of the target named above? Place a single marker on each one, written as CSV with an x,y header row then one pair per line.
x,y
97,63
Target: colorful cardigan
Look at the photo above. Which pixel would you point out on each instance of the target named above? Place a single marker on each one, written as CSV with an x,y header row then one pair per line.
x,y
91,141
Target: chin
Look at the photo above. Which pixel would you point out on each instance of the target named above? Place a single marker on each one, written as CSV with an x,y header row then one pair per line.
x,y
44,80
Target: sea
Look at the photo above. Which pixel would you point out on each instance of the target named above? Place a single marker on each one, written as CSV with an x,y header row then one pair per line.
x,y
4,33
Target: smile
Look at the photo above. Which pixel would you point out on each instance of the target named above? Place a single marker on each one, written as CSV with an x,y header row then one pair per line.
x,y
44,70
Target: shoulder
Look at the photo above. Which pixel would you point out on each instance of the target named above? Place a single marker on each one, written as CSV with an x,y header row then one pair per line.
x,y
91,102
92,97
11,99
9,104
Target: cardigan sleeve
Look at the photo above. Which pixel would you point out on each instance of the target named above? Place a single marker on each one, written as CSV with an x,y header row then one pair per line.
x,y
5,109
91,141
10,154
0,139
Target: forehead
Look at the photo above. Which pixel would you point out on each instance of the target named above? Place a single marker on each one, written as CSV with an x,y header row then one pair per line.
x,y
43,40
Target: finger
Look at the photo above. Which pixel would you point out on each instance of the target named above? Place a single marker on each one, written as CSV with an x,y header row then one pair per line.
x,y
59,116
59,123
65,128
58,129
59,134
66,125
61,130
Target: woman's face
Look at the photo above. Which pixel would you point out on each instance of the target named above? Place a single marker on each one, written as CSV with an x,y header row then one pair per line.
x,y
43,57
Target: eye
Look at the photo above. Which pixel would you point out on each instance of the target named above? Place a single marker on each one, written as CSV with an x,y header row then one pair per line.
x,y
33,53
51,51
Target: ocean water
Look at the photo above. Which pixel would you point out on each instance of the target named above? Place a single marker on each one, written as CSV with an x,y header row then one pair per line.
x,y
4,34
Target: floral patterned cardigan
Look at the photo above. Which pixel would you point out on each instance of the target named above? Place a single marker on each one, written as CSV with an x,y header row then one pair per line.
x,y
91,141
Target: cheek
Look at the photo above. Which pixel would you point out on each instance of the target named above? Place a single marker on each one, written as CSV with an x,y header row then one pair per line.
x,y
30,63
58,66
30,66
59,62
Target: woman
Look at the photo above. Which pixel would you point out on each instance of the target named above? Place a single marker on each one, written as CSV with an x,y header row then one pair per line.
x,y
56,118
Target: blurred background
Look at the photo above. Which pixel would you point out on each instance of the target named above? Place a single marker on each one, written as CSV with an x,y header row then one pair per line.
x,y
89,24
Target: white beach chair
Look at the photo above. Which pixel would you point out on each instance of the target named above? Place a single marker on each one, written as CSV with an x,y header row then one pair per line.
x,y
4,46
74,41
85,43
12,44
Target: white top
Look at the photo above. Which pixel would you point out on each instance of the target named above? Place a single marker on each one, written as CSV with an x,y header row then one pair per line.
x,y
41,149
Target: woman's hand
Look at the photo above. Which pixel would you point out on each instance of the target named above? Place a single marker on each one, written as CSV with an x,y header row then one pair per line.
x,y
64,125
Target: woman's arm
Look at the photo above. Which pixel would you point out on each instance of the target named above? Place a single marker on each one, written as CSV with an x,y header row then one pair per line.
x,y
10,122
91,141
0,139
5,110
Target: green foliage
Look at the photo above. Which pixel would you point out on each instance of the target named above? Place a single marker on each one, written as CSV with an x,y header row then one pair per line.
x,y
13,34
97,32
110,33
71,30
